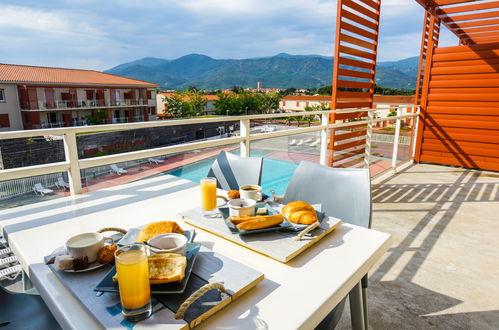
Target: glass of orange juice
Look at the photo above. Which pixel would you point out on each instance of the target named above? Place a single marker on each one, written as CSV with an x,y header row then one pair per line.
x,y
209,196
133,281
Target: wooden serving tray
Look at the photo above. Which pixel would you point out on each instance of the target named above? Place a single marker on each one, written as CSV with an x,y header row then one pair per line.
x,y
279,245
210,267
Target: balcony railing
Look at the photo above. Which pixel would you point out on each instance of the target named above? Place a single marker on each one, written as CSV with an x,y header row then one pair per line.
x,y
120,120
72,165
83,104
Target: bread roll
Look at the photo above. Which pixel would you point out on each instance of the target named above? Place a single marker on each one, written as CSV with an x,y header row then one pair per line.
x,y
260,222
240,219
300,212
156,228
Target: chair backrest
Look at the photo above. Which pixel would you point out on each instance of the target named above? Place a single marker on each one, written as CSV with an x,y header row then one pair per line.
x,y
39,186
114,167
61,180
344,193
232,171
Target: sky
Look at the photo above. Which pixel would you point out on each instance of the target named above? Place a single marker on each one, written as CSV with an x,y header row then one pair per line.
x,y
100,34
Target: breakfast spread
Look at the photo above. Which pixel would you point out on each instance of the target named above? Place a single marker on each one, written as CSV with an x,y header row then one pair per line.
x,y
165,268
157,228
257,222
300,212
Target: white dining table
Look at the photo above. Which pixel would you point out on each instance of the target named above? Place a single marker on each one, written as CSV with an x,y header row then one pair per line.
x,y
295,295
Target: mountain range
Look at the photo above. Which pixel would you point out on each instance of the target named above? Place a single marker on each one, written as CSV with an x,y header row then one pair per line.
x,y
279,71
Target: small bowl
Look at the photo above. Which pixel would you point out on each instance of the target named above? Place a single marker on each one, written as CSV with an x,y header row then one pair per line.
x,y
168,243
241,207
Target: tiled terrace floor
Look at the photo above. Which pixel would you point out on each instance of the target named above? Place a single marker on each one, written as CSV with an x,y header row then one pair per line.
x,y
442,271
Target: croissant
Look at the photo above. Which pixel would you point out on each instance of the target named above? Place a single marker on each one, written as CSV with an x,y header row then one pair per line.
x,y
300,212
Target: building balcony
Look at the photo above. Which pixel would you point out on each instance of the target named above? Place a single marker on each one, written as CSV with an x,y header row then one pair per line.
x,y
84,104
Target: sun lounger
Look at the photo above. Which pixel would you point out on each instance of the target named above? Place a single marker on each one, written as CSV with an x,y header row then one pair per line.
x,y
61,183
299,143
118,170
155,160
293,142
39,189
308,140
4,273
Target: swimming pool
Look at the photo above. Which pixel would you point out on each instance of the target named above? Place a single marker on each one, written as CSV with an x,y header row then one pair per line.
x,y
275,173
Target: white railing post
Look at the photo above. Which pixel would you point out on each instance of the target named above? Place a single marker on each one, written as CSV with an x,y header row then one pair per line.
x,y
369,136
71,152
415,134
396,143
244,129
324,132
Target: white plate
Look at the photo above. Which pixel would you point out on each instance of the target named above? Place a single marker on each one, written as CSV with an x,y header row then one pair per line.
x,y
91,266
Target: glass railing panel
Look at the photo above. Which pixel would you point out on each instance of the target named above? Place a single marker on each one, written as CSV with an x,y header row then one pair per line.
x,y
35,189
30,151
281,155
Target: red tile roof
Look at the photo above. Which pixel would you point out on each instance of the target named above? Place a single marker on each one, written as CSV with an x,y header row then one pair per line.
x,y
306,98
45,75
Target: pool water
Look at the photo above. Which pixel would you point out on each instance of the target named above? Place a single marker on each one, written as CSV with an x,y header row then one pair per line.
x,y
275,173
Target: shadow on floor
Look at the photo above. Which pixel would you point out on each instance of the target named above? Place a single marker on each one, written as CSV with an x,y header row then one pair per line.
x,y
417,214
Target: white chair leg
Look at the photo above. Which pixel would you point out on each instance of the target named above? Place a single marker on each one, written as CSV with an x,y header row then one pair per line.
x,y
364,305
356,307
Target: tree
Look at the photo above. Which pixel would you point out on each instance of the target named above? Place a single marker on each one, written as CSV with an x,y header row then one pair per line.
x,y
237,89
326,90
268,102
315,107
98,118
195,101
176,106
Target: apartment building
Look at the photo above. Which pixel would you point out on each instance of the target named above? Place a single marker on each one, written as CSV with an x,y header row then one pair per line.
x,y
33,97
291,103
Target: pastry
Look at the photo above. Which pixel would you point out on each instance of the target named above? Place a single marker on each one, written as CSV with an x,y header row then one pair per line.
x,y
64,262
157,228
300,212
233,194
80,263
260,222
106,254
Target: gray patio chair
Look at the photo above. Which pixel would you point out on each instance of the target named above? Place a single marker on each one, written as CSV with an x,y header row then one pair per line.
x,y
344,193
25,311
232,171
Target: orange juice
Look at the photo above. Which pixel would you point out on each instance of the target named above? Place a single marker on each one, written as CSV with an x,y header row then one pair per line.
x,y
133,279
208,194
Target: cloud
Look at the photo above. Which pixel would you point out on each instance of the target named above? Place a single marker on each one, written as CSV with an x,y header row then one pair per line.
x,y
98,34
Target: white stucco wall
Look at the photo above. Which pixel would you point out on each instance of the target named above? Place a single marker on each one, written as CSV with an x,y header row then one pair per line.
x,y
11,107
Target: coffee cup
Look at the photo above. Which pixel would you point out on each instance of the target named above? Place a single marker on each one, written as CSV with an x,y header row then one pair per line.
x,y
251,191
241,207
87,244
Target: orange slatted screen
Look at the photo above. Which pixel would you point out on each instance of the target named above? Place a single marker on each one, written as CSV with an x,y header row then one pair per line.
x,y
353,76
461,125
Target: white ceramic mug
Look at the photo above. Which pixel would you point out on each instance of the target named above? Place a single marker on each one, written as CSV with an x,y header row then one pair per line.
x,y
251,191
87,244
241,207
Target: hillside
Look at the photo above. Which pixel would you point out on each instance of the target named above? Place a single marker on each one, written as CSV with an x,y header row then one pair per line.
x,y
280,71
